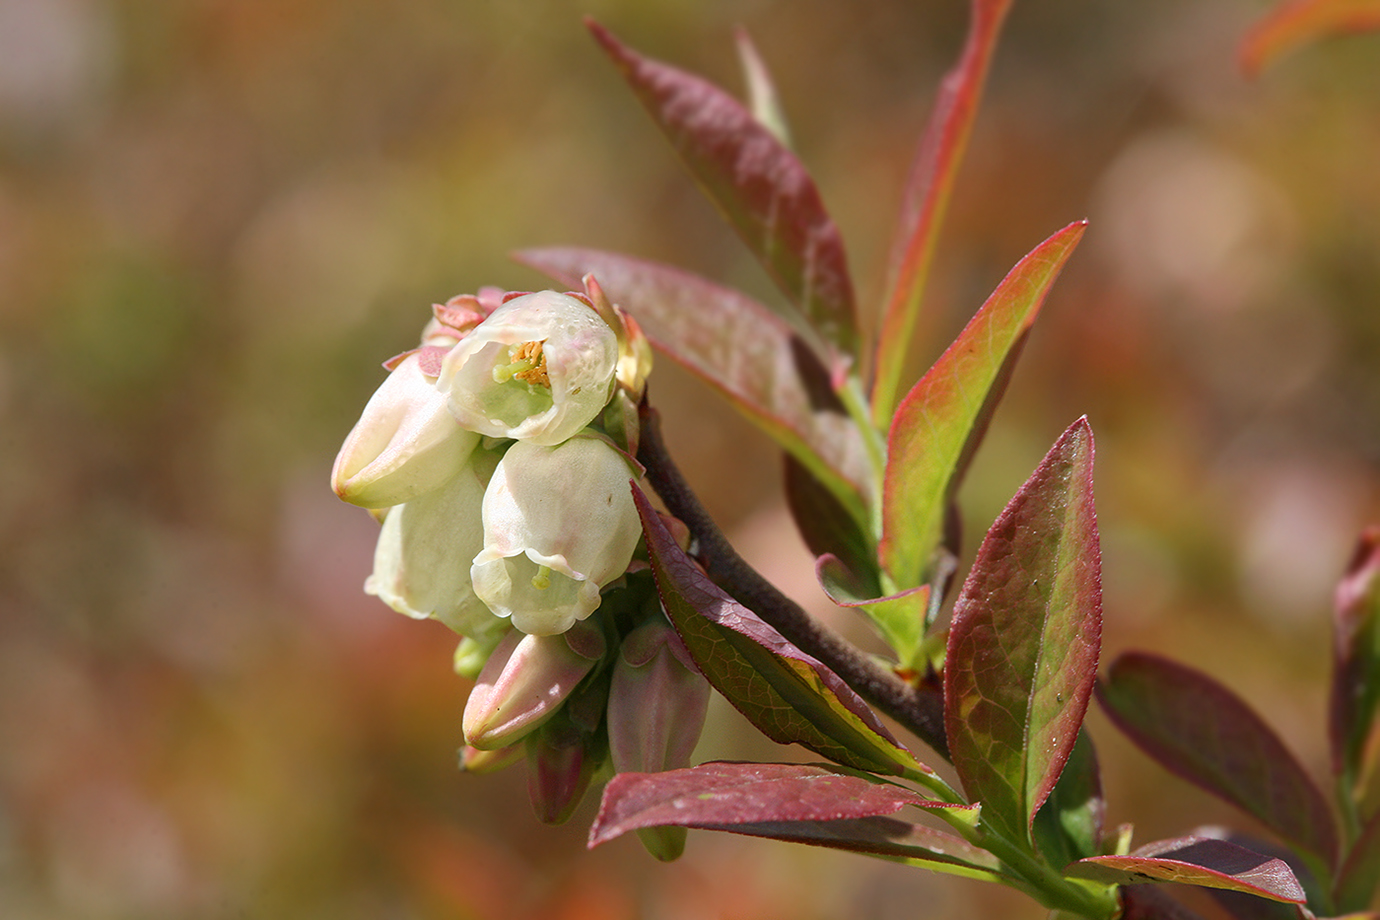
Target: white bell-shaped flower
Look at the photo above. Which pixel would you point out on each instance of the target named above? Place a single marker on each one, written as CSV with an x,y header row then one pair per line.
x,y
405,444
540,368
559,525
422,560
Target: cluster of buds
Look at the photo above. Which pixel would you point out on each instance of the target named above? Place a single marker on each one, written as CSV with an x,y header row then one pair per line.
x,y
498,456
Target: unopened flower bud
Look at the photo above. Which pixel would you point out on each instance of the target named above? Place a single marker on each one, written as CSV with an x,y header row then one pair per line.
x,y
657,702
561,761
422,560
473,760
657,705
540,368
405,444
524,683
559,525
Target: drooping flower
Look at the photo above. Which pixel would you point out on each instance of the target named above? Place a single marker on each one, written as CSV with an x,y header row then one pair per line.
x,y
405,444
559,525
422,560
539,368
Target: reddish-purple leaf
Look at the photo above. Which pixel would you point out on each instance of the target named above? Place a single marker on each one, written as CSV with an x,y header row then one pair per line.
x,y
788,695
740,348
803,803
927,198
1201,731
1356,659
940,422
746,793
761,187
1359,875
1297,22
1201,861
1143,902
1022,651
827,527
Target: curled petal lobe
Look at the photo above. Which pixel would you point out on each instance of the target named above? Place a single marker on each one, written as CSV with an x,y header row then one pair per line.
x,y
540,368
405,444
559,525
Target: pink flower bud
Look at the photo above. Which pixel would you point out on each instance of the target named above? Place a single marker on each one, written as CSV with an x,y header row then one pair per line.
x,y
524,683
559,525
540,368
657,702
560,765
405,444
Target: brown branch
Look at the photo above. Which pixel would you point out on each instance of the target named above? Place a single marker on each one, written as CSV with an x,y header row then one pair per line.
x,y
920,710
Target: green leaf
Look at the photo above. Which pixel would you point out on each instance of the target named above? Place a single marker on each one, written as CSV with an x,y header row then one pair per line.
x,y
1356,661
1068,826
926,198
738,347
1201,861
900,617
760,186
939,424
827,527
1201,731
1023,646
789,696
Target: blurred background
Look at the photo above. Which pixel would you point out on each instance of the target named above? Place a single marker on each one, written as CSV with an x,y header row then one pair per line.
x,y
217,217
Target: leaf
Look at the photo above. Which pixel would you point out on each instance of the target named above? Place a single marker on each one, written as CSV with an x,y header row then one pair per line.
x,y
926,198
789,696
1201,731
1143,902
1069,825
738,347
827,527
942,419
1293,24
1201,861
1356,660
900,617
1360,872
1023,645
720,794
760,186
763,99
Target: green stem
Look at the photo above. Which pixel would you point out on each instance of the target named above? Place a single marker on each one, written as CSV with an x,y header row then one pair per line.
x,y
874,443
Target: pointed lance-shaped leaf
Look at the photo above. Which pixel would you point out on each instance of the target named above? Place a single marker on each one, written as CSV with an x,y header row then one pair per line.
x,y
1294,23
759,185
1201,731
1202,861
1356,659
801,803
926,198
740,348
788,695
1023,646
939,424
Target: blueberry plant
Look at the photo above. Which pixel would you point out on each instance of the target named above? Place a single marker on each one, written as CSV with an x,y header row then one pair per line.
x,y
510,457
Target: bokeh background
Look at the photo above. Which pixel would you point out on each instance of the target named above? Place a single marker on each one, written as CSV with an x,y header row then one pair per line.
x,y
218,216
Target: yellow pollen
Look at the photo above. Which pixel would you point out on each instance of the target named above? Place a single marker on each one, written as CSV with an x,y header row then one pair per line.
x,y
529,354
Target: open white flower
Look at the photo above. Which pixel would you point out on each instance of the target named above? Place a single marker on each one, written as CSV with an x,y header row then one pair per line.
x,y
405,444
559,525
422,560
540,368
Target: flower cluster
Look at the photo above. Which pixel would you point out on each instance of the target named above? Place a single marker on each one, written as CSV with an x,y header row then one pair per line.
x,y
498,456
